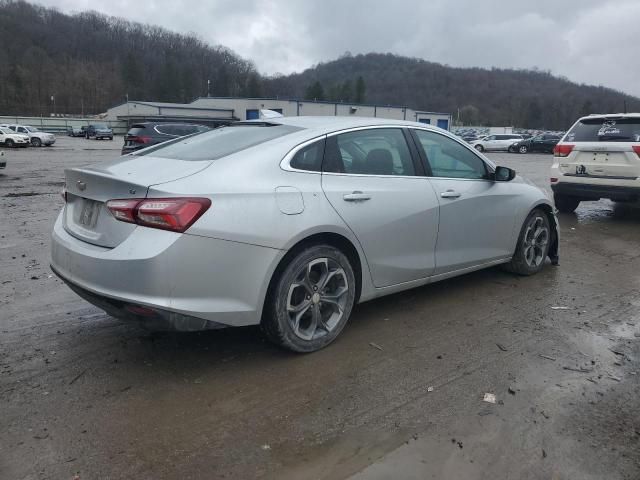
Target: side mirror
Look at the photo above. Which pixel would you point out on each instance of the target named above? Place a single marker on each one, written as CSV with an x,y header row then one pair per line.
x,y
504,174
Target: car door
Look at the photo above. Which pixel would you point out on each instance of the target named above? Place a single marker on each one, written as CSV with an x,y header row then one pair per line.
x,y
537,144
374,180
477,221
491,142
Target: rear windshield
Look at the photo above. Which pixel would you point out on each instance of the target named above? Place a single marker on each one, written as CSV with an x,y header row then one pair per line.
x,y
220,142
605,130
137,130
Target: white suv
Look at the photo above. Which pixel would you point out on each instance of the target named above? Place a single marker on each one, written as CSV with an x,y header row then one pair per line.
x,y
9,138
37,137
500,142
599,157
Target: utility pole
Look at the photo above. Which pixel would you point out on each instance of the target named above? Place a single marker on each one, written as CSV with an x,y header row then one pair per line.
x,y
53,101
208,87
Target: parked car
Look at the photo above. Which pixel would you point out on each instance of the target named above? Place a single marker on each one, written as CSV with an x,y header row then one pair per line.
x,y
599,157
470,138
492,143
143,135
3,161
290,222
75,132
9,138
98,131
541,143
37,137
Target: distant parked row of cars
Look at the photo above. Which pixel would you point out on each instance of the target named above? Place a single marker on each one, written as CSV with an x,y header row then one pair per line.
x,y
516,143
13,135
98,131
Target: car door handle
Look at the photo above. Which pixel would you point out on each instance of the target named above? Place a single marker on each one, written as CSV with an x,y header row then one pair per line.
x,y
450,194
356,196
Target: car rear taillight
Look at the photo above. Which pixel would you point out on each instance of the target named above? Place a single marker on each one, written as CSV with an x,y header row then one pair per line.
x,y
553,180
139,139
175,214
636,148
562,150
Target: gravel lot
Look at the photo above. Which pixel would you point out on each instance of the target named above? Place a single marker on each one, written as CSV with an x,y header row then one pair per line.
x,y
83,394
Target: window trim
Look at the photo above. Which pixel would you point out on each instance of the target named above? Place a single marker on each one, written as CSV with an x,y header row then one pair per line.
x,y
490,166
285,163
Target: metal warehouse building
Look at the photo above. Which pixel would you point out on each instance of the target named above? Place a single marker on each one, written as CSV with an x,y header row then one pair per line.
x,y
222,110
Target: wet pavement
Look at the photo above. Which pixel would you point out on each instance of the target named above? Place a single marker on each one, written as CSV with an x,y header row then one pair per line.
x,y
83,394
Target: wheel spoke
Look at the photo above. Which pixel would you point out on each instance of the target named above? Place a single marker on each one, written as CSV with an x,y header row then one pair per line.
x,y
296,320
301,307
330,275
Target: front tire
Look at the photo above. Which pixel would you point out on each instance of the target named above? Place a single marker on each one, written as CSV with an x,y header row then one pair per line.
x,y
533,245
565,203
479,148
36,142
311,300
9,143
523,149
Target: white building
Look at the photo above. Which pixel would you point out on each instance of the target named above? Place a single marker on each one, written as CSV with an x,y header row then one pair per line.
x,y
221,110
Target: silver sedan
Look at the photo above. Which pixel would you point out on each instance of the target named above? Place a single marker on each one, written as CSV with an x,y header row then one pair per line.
x,y
288,223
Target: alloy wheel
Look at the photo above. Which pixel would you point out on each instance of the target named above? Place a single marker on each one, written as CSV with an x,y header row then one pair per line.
x,y
535,241
317,298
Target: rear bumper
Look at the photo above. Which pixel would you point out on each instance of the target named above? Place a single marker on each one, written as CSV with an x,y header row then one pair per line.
x,y
186,281
596,192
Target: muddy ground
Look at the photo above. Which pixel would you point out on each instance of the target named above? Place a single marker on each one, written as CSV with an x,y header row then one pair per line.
x,y
83,394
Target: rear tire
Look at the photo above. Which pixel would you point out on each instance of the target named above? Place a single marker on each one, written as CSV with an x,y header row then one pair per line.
x,y
479,148
565,203
523,149
533,245
311,300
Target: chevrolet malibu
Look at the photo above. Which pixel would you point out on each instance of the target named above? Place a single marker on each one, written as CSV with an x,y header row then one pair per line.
x,y
288,223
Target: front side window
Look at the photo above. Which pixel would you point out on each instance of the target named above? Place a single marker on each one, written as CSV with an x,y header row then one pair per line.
x,y
309,157
376,151
450,159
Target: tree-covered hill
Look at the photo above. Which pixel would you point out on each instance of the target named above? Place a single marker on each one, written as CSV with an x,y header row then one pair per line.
x,y
525,98
90,62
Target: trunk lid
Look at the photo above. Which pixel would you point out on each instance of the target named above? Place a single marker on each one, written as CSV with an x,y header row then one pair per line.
x,y
86,216
602,160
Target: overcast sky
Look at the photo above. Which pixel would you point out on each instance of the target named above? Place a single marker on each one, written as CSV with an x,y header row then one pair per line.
x,y
588,41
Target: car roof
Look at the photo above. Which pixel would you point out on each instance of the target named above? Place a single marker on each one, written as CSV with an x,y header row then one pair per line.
x,y
605,116
320,125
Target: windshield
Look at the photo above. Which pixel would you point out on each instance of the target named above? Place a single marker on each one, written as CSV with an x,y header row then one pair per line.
x,y
605,130
100,125
6,131
32,129
220,142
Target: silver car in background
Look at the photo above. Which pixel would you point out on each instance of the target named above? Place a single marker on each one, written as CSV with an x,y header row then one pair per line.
x,y
288,223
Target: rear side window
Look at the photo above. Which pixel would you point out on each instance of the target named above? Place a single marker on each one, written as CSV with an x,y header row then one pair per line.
x,y
605,130
220,142
167,129
309,158
379,151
